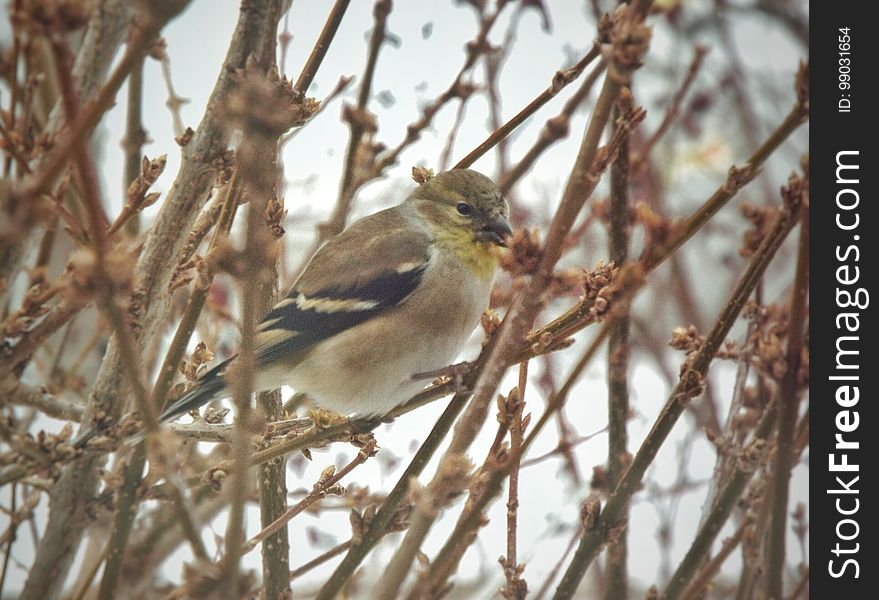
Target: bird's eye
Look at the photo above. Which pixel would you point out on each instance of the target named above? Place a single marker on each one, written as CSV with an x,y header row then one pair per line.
x,y
464,209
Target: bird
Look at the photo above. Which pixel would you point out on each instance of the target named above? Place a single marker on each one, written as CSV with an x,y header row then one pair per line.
x,y
395,295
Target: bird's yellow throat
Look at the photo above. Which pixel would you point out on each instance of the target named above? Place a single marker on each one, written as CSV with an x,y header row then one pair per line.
x,y
479,257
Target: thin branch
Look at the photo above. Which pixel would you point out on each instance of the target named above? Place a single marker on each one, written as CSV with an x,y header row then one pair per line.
x,y
135,138
90,575
230,196
272,477
318,561
560,80
109,24
740,176
174,101
555,129
10,534
13,105
788,412
446,153
341,86
321,489
360,122
306,76
150,546
14,391
616,584
544,589
98,224
258,165
457,89
801,586
516,587
674,108
272,483
707,573
494,63
580,315
731,436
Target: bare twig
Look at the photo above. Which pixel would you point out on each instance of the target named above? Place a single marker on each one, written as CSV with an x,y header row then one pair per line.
x,y
107,28
318,561
135,137
9,535
341,85
674,108
126,500
615,582
801,586
360,123
174,102
98,224
446,153
306,76
516,587
324,486
259,172
458,89
15,392
272,478
559,81
580,315
707,573
555,129
544,589
789,405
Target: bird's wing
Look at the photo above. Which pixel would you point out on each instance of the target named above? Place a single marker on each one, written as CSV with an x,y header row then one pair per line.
x,y
371,267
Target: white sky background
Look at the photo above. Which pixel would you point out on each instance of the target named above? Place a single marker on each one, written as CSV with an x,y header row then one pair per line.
x,y
549,506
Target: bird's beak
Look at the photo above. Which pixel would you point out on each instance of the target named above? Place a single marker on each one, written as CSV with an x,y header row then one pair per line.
x,y
494,230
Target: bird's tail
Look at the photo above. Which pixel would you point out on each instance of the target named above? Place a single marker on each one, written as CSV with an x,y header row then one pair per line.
x,y
209,387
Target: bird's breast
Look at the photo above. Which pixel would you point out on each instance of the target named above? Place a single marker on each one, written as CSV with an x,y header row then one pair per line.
x,y
371,365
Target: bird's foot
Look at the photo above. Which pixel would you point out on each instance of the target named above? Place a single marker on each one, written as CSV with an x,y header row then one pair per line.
x,y
455,373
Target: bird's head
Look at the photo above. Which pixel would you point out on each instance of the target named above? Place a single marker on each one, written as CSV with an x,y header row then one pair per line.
x,y
464,203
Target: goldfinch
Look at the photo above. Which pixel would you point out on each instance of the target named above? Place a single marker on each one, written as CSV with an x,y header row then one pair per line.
x,y
394,295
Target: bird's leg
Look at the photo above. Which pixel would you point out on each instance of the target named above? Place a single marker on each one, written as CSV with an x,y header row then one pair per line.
x,y
454,372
